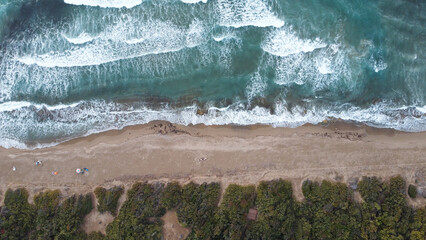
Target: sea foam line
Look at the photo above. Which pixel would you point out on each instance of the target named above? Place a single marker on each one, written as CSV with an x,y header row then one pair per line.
x,y
194,1
80,39
105,3
284,42
155,38
64,122
243,13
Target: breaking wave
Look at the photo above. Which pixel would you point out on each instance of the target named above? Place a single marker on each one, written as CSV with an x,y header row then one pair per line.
x,y
106,3
42,125
243,13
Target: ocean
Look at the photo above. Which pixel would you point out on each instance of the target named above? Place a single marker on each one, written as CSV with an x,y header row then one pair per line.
x,y
70,68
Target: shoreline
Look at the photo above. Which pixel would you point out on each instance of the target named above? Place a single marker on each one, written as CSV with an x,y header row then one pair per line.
x,y
161,151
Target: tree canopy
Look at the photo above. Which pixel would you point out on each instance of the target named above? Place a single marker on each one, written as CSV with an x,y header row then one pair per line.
x,y
328,211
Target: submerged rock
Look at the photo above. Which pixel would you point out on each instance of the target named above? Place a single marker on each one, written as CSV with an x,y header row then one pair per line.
x,y
202,112
263,103
44,115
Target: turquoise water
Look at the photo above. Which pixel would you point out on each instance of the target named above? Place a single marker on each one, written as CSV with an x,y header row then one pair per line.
x,y
70,68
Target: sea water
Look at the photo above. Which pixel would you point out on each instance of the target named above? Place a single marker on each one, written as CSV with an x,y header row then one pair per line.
x,y
69,68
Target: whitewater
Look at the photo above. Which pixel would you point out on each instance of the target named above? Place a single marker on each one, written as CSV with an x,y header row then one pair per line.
x,y
71,68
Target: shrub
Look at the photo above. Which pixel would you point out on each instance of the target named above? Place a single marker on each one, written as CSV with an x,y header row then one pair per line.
x,y
17,215
198,208
108,199
328,212
232,222
171,196
276,210
95,236
136,219
412,191
47,205
331,210
371,189
418,226
71,215
385,211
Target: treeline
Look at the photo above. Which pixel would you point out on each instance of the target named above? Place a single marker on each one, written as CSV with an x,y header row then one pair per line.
x,y
329,211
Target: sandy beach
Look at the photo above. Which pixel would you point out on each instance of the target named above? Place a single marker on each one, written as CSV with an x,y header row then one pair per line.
x,y
161,151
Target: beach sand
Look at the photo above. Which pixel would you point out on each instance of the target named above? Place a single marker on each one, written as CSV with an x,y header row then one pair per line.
x,y
161,151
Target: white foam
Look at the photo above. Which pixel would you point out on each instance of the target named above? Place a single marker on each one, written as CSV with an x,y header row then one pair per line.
x,y
324,66
14,105
284,42
81,39
106,3
304,61
115,44
135,40
93,56
422,109
11,143
224,34
379,65
194,1
10,106
242,13
220,38
84,118
321,70
195,34
256,87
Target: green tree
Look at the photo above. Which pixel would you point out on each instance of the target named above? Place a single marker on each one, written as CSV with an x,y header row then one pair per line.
x,y
171,196
17,216
96,236
71,215
137,218
198,208
47,205
412,191
385,213
331,210
108,199
232,221
418,226
276,211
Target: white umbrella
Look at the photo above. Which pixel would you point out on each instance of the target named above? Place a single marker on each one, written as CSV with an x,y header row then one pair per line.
x,y
78,170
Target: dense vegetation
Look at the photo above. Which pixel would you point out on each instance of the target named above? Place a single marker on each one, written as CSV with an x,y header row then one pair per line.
x,y
171,196
108,199
412,191
198,208
46,219
276,211
17,215
138,217
329,211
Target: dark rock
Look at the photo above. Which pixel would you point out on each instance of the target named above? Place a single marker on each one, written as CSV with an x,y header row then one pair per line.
x,y
44,115
201,111
376,101
263,103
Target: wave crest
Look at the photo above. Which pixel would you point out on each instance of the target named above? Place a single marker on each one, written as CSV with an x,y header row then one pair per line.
x,y
106,3
243,13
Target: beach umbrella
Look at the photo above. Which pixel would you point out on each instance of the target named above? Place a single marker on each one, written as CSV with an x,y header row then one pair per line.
x,y
78,170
